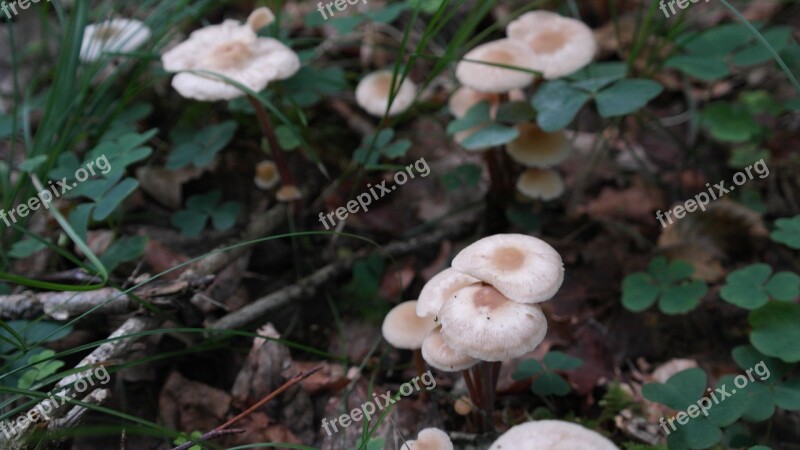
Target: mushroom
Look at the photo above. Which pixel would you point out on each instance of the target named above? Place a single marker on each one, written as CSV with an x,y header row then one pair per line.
x,y
267,176
375,89
482,323
229,50
115,35
403,328
545,184
429,439
288,193
480,71
537,148
464,98
551,435
260,18
523,268
440,288
560,45
440,356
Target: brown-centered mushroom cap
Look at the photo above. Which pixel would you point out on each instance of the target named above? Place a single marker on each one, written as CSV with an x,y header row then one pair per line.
x,y
536,148
475,73
440,356
374,90
560,45
403,328
551,435
429,439
482,323
267,176
439,289
545,184
260,18
523,268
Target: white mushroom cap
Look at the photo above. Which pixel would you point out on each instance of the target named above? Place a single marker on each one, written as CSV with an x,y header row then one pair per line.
x,y
429,439
472,71
523,268
551,435
115,35
373,92
439,289
545,184
267,175
230,50
561,45
260,18
537,148
482,323
403,328
440,356
288,193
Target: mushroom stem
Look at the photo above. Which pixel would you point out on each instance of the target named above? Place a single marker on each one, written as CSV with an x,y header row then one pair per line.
x,y
287,179
419,364
473,393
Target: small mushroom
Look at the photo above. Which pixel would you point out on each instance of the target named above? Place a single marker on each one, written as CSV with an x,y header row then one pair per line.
x,y
115,35
404,329
523,268
560,45
440,356
374,90
288,194
464,98
537,148
551,435
439,289
429,439
545,184
260,18
482,323
479,69
267,176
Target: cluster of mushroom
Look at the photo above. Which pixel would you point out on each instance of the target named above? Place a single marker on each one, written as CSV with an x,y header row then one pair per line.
x,y
538,41
481,311
429,439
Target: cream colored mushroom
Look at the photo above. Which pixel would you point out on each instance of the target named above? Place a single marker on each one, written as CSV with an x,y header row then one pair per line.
x,y
429,439
440,356
288,193
523,268
482,323
479,69
537,148
374,90
267,176
560,45
464,98
545,184
232,51
112,36
439,289
551,435
403,328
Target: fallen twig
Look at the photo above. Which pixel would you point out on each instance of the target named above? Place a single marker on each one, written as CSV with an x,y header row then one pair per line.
x,y
255,312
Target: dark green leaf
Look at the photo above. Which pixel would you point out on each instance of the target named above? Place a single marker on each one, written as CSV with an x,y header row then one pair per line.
x,y
626,96
557,103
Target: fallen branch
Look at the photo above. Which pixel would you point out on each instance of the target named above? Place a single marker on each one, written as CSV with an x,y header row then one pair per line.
x,y
255,312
